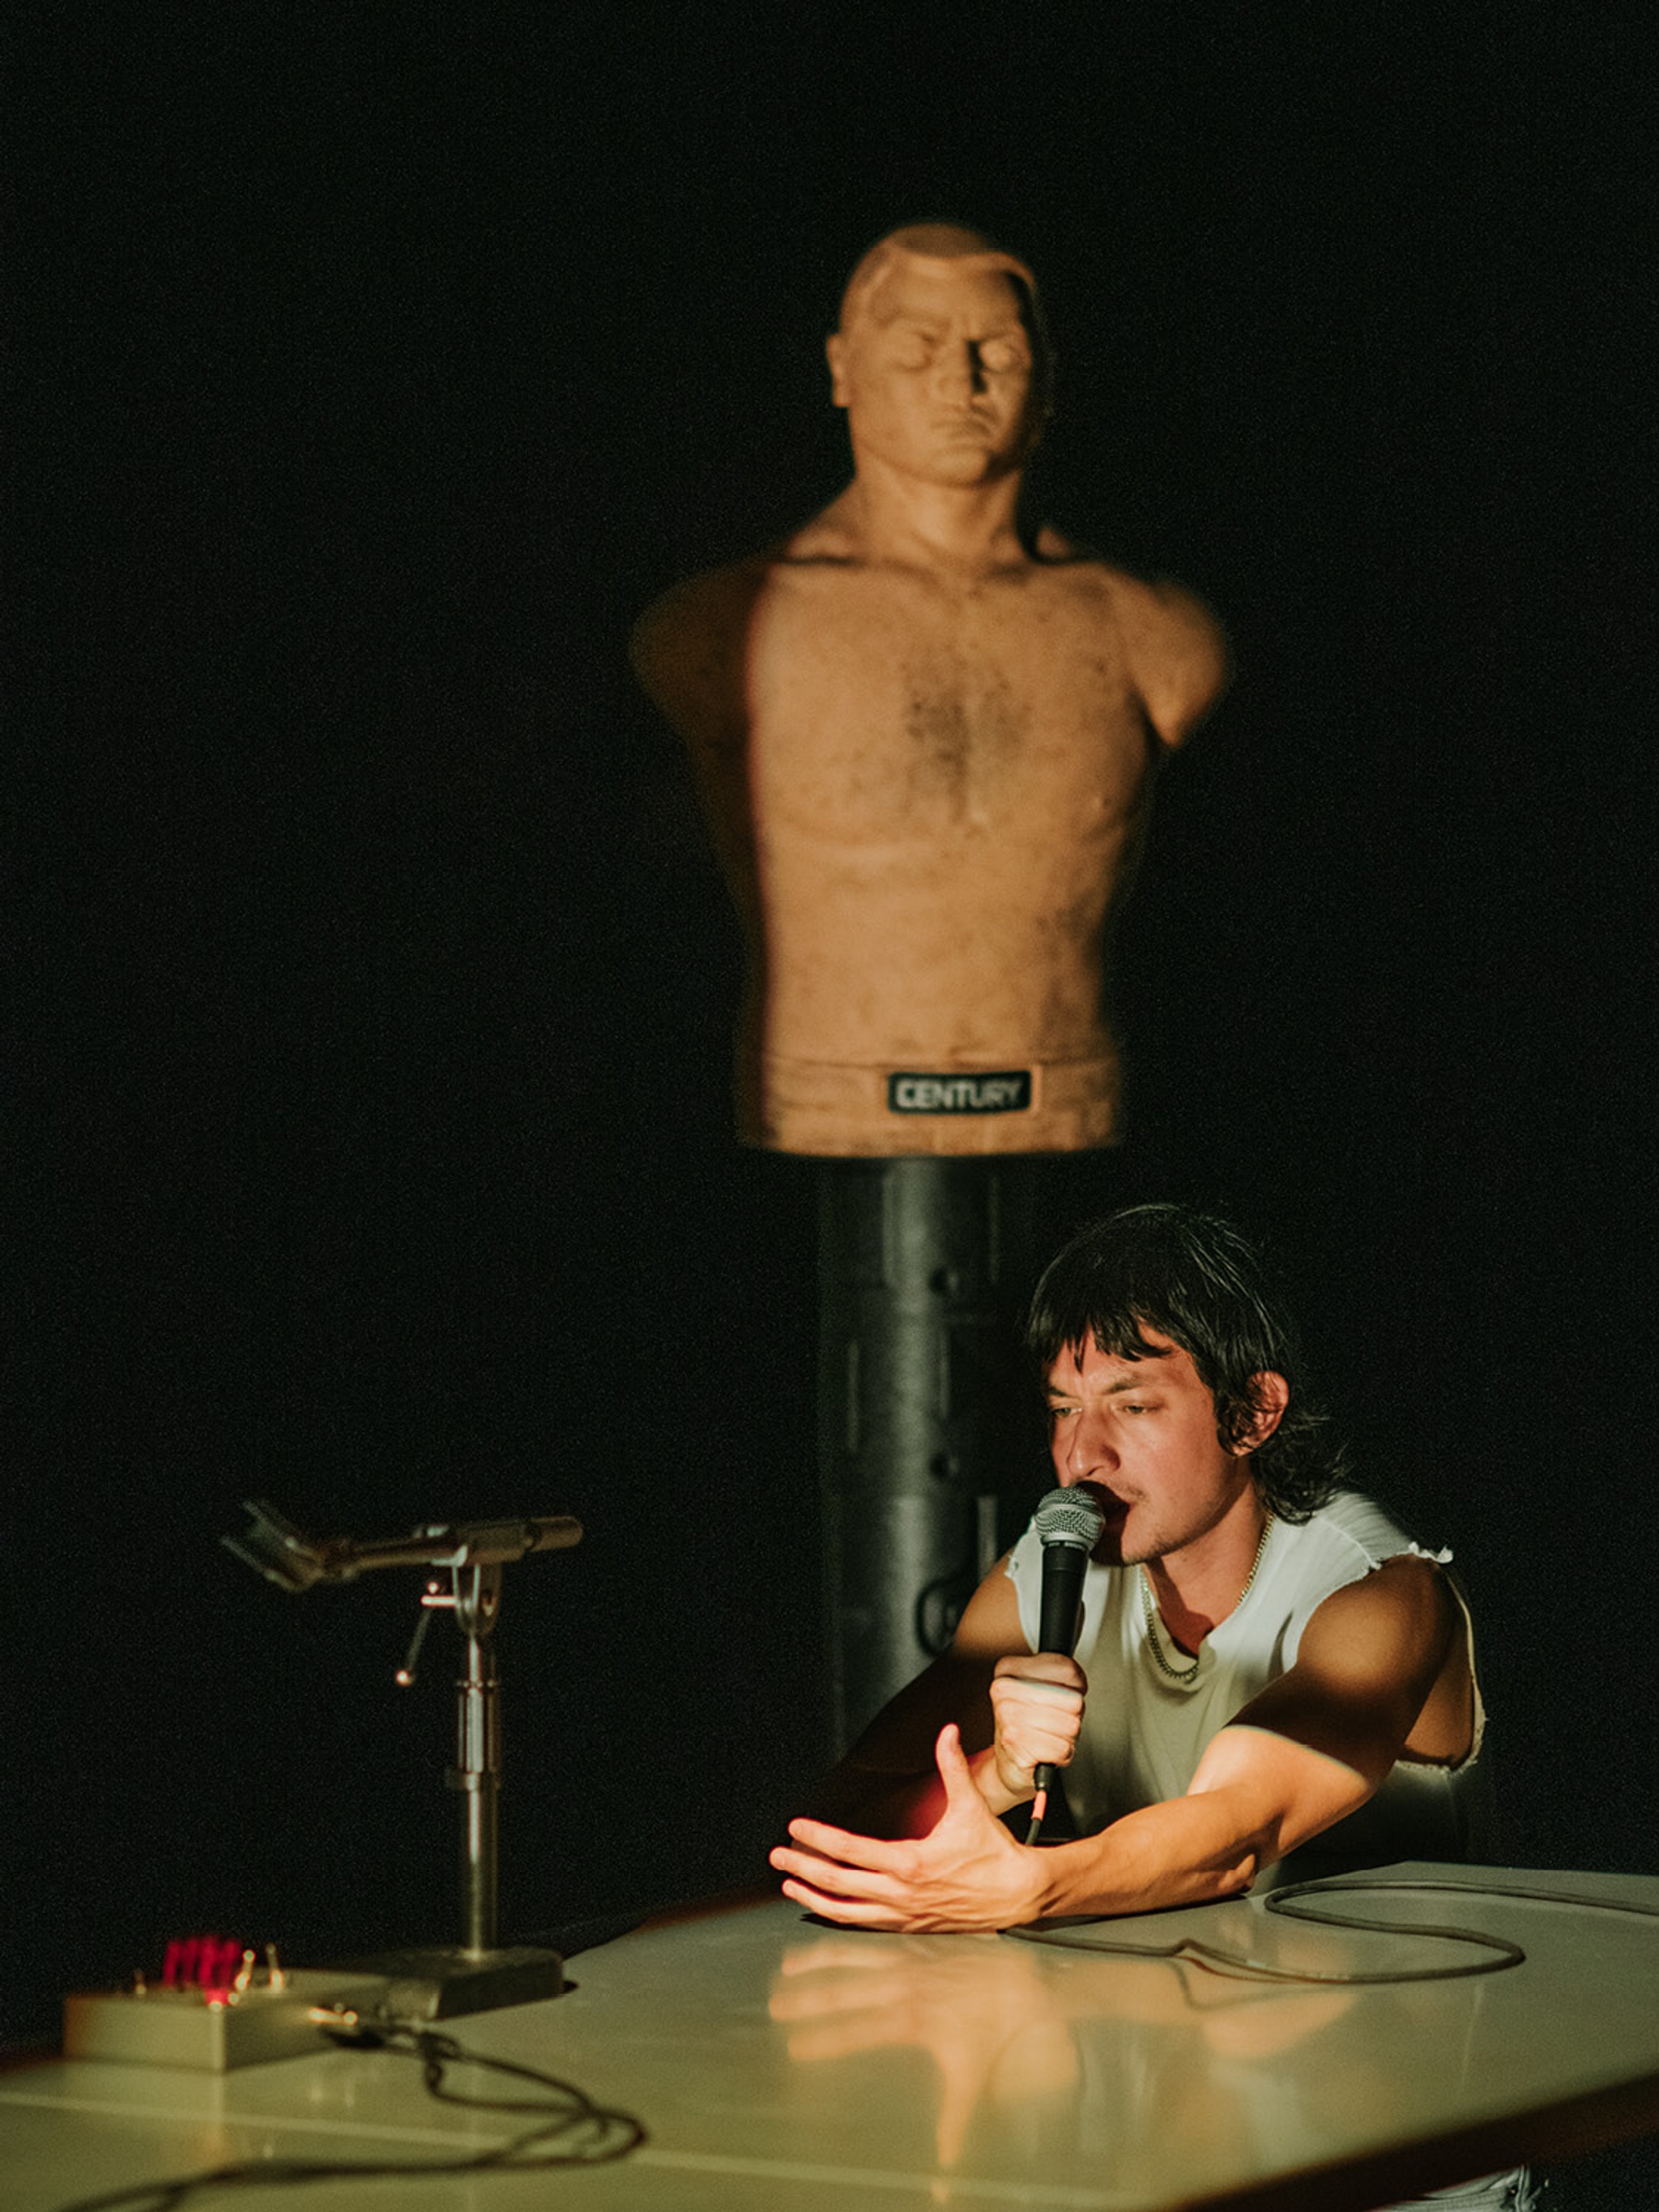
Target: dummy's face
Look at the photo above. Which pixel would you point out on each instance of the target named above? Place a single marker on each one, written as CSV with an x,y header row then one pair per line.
x,y
935,373
1141,1435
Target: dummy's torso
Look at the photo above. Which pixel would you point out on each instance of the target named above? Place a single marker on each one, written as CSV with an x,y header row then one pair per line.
x,y
928,791
944,781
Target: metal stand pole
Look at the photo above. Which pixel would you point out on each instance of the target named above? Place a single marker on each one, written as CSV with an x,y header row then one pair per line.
x,y
922,1442
478,1769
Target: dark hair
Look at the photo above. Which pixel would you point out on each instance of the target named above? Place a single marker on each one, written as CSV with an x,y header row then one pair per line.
x,y
1193,1278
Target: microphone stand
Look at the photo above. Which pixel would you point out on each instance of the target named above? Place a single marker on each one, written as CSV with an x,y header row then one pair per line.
x,y
445,1981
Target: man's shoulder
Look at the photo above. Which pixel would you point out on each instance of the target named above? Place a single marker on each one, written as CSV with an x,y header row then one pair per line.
x,y
1351,1519
1399,1621
1349,1563
1341,1543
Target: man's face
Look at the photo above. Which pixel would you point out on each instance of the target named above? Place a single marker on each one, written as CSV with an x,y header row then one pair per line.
x,y
1140,1435
935,372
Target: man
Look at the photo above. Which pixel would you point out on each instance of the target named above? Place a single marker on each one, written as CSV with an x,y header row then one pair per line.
x,y
1264,1658
925,733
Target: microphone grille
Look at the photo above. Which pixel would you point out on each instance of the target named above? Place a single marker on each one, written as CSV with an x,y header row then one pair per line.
x,y
1069,1516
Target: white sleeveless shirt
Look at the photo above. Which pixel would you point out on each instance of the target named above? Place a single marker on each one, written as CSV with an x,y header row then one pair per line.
x,y
1144,1734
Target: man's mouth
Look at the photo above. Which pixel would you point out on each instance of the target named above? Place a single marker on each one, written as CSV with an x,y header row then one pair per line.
x,y
1108,1500
1115,1511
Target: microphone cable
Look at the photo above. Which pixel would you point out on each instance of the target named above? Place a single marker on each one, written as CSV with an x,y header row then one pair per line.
x,y
1285,1903
570,2130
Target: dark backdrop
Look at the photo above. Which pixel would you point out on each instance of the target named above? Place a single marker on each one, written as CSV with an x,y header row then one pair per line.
x,y
374,369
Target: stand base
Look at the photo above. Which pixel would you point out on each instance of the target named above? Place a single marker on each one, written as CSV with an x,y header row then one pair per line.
x,y
444,1982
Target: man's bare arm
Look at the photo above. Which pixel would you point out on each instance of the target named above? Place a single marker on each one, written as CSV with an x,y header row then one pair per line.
x,y
1309,1750
1305,1754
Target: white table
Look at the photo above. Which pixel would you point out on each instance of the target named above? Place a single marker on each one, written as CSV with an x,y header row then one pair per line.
x,y
783,2067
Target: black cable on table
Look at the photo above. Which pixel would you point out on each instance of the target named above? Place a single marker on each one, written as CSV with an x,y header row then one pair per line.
x,y
575,2132
1282,1902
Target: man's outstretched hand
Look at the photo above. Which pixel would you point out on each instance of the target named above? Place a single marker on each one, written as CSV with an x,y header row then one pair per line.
x,y
966,1872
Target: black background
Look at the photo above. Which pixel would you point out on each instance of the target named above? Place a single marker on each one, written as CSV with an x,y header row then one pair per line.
x,y
373,367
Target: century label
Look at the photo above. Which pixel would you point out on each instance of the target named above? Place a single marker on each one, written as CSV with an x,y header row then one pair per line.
x,y
1007,1090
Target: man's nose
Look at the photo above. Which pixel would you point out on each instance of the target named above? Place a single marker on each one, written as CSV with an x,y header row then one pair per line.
x,y
1088,1448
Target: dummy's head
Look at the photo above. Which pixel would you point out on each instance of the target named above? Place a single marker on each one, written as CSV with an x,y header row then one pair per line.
x,y
941,358
1193,1278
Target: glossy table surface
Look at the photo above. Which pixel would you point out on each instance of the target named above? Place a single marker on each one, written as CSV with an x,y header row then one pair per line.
x,y
778,2064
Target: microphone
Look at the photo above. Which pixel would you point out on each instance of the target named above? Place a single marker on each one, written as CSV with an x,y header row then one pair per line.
x,y
285,1555
1068,1524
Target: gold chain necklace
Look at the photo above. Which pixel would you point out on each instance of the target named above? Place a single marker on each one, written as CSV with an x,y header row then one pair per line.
x,y
1150,1610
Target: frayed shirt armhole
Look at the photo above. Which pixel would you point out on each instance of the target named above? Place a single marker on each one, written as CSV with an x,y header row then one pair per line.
x,y
1477,1723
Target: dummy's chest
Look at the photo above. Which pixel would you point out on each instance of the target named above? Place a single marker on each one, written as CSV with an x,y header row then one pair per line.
x,y
1005,719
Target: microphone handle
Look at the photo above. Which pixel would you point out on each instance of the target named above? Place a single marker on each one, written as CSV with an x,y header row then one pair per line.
x,y
1064,1566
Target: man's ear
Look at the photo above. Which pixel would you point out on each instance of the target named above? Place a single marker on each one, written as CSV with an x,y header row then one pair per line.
x,y
1270,1394
836,346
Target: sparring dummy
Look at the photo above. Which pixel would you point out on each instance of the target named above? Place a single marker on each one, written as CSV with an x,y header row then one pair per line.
x,y
925,730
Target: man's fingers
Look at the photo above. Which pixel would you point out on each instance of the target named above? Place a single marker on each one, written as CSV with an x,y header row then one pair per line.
x,y
1029,1690
960,1788
829,1874
1053,1667
841,1845
1039,1749
1037,1723
850,1911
